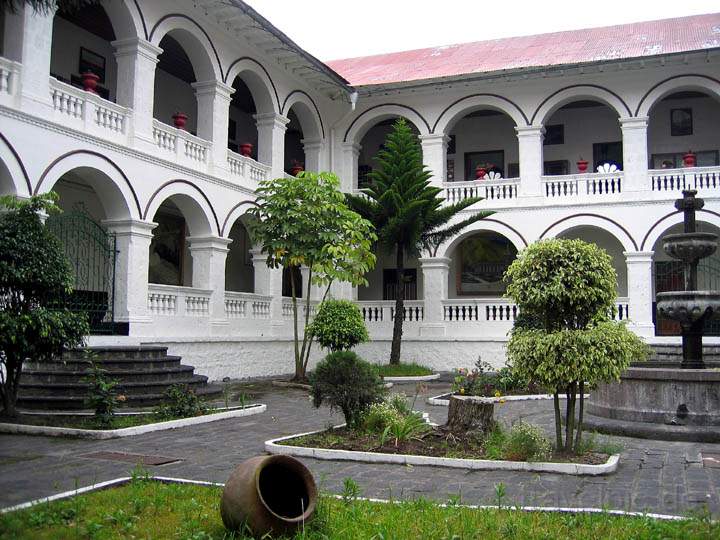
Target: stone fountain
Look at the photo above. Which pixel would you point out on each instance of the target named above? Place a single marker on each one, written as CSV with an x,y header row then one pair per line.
x,y
677,399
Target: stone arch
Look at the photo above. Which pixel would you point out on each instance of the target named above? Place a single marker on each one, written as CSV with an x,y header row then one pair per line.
x,y
656,231
368,118
235,213
14,179
610,226
195,42
487,224
468,104
126,18
679,83
258,80
112,186
579,92
192,202
307,112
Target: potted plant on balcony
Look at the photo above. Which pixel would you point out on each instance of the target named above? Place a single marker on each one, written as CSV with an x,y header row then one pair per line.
x,y
180,120
90,81
582,165
296,168
690,159
246,149
481,170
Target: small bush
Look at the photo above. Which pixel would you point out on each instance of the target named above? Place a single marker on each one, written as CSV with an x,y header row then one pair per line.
x,y
339,325
404,428
526,442
101,395
180,401
346,382
379,416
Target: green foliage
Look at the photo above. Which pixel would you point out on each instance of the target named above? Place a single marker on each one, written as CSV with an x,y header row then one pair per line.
x,y
407,211
569,286
526,442
304,221
564,283
101,395
404,428
339,325
346,382
483,380
351,491
180,401
35,276
404,369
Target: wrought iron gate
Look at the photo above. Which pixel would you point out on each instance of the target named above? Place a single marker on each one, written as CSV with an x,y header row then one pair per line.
x,y
91,251
670,276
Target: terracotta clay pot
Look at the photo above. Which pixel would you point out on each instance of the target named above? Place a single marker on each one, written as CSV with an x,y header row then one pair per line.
x,y
246,149
296,169
480,172
90,81
690,159
271,494
582,165
180,120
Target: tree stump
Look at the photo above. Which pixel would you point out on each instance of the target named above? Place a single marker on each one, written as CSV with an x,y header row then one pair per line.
x,y
470,414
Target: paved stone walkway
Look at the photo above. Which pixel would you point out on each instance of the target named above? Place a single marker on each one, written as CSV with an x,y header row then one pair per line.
x,y
665,477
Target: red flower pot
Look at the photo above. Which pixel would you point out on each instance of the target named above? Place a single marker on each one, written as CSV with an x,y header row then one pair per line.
x,y
90,82
689,159
582,165
246,149
296,169
180,120
480,172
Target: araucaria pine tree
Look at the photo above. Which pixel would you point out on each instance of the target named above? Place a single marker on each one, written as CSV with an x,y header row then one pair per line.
x,y
408,213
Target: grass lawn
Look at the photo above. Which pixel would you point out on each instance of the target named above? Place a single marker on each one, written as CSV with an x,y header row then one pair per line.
x,y
404,370
148,509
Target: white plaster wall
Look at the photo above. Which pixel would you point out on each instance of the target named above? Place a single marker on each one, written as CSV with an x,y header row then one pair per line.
x,y
66,43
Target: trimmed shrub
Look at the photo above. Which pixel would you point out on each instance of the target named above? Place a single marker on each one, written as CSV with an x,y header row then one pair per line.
x,y
526,442
346,382
339,325
180,401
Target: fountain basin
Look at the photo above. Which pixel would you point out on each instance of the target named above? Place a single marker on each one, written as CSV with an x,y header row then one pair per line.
x,y
690,247
686,307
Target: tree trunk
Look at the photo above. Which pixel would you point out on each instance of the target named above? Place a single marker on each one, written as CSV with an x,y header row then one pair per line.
x,y
581,410
570,417
399,305
467,414
558,423
299,371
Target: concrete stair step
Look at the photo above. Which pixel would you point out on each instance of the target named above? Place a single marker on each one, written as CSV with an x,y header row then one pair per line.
x,y
116,364
128,389
154,374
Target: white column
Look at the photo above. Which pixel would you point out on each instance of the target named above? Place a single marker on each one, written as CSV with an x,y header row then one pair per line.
x,y
434,150
136,61
271,141
530,145
132,244
28,40
209,254
213,99
268,282
313,154
435,290
350,156
635,154
640,292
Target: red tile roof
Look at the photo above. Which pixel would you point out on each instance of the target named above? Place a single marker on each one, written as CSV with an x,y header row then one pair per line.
x,y
577,46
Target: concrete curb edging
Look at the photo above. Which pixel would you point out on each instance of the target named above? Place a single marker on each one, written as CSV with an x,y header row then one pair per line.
x,y
272,447
415,378
96,434
169,480
439,401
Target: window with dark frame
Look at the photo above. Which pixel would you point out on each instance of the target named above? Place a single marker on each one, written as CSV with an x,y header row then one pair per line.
x,y
554,134
681,122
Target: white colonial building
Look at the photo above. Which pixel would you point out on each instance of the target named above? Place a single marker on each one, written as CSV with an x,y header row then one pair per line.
x,y
194,102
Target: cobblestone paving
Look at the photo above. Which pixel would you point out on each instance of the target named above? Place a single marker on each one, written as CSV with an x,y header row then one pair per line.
x,y
657,476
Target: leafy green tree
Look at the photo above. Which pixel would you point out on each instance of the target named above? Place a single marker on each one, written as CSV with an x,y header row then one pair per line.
x,y
35,276
339,325
407,211
304,221
567,289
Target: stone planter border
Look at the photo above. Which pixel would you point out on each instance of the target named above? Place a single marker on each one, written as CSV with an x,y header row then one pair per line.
x,y
414,378
101,434
272,447
441,401
116,482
